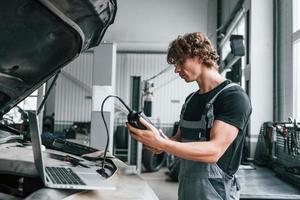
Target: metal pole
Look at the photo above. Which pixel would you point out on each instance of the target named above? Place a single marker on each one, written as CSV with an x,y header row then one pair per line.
x,y
47,94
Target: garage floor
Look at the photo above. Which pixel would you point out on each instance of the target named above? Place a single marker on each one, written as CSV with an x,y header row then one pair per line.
x,y
164,190
256,183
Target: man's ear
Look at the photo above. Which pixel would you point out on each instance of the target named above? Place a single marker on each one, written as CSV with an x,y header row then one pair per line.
x,y
199,60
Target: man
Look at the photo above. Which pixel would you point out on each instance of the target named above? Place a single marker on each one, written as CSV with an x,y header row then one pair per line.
x,y
212,124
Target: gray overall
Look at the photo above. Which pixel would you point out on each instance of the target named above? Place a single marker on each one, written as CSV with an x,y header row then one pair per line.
x,y
203,181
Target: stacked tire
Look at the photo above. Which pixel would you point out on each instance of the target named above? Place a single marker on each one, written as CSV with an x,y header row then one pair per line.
x,y
152,162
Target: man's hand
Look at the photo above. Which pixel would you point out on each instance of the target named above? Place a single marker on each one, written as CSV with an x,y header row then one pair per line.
x,y
149,137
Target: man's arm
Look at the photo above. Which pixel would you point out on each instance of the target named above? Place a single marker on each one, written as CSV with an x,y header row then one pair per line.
x,y
222,135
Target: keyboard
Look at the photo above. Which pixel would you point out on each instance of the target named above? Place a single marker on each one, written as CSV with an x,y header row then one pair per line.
x,y
71,147
61,175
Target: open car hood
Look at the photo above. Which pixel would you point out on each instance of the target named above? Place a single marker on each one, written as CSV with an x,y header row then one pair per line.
x,y
39,37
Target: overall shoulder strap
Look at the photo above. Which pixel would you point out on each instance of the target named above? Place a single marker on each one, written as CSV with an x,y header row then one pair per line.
x,y
216,95
185,105
190,97
209,110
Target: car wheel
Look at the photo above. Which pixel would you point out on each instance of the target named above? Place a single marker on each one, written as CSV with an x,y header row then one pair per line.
x,y
151,161
174,168
121,137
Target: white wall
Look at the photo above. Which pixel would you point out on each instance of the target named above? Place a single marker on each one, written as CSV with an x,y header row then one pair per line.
x,y
73,91
261,61
153,24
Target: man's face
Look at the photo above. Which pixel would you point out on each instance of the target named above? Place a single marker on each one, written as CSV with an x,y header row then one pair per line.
x,y
190,70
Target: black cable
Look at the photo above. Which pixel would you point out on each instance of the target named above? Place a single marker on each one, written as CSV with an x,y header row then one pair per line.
x,y
101,171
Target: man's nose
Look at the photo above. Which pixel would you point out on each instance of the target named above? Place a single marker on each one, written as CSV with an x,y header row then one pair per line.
x,y
177,69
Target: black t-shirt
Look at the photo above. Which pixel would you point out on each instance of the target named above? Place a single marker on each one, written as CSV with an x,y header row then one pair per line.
x,y
232,106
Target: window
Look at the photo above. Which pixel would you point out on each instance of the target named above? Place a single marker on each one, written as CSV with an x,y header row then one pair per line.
x,y
30,103
14,115
296,56
296,15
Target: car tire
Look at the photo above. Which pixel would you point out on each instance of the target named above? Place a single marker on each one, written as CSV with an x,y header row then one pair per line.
x,y
174,168
121,137
151,161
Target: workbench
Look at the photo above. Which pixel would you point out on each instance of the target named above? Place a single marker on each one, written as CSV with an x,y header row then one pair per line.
x,y
263,183
16,160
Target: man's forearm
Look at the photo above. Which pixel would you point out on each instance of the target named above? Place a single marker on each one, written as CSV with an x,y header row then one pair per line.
x,y
205,151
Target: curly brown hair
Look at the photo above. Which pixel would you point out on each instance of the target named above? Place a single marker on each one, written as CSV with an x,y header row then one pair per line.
x,y
191,45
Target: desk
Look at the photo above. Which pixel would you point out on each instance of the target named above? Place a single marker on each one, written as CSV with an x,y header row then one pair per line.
x,y
17,160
